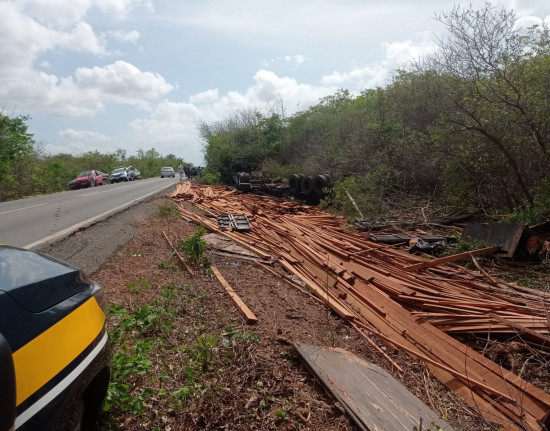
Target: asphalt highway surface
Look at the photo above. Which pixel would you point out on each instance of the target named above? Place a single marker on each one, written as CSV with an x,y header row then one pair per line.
x,y
36,221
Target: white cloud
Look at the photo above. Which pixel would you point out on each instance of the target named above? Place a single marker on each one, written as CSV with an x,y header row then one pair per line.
x,y
82,135
173,125
40,92
269,87
124,36
398,53
23,39
87,93
122,82
170,126
527,21
207,96
75,148
63,12
81,39
297,59
358,77
376,74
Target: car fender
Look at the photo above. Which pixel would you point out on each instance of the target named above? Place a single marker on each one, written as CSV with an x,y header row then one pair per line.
x,y
51,366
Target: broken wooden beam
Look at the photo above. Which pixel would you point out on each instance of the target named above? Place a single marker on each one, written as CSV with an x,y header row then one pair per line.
x,y
251,319
453,258
179,256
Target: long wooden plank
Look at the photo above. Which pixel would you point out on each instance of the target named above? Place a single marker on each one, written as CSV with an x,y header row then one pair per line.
x,y
521,328
453,258
251,319
179,256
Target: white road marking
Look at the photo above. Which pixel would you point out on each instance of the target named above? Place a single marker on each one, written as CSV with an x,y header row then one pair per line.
x,y
92,220
21,209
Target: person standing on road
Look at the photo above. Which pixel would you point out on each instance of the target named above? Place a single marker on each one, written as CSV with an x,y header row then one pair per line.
x,y
186,170
92,179
180,170
190,170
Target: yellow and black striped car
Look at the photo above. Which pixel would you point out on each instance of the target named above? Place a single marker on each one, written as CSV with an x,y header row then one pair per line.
x,y
52,329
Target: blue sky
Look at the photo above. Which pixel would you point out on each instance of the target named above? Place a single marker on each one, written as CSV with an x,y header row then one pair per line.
x,y
137,74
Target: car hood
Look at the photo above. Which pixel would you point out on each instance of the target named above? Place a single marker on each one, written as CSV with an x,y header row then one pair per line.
x,y
36,281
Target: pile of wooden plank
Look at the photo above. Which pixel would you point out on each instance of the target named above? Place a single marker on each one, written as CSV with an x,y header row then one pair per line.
x,y
372,286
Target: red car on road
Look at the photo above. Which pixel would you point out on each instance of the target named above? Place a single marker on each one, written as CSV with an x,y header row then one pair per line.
x,y
83,179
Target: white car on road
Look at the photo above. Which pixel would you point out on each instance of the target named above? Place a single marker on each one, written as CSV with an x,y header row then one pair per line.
x,y
167,171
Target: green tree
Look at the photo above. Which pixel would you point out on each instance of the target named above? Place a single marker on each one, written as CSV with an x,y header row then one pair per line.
x,y
486,74
244,141
16,147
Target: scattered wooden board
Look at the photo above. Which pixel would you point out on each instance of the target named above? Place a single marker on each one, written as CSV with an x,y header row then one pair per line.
x,y
367,283
251,319
179,256
372,397
453,258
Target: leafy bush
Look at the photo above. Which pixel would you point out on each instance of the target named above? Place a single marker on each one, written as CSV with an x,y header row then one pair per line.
x,y
366,190
212,178
274,169
194,246
130,358
166,211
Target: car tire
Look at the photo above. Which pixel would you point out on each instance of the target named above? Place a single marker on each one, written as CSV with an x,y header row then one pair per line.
x,y
75,420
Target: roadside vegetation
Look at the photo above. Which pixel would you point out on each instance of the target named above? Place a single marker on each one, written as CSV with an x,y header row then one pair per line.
x,y
465,127
26,170
167,357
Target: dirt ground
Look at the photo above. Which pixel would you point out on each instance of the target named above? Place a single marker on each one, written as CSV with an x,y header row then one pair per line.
x,y
205,368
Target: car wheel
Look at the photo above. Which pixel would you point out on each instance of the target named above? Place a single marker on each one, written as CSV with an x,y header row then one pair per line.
x,y
75,420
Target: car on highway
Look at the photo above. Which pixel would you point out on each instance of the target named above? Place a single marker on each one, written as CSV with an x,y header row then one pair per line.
x,y
83,179
54,349
106,177
131,172
119,174
167,171
138,175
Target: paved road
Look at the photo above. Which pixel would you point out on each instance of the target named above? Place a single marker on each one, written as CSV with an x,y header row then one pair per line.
x,y
36,221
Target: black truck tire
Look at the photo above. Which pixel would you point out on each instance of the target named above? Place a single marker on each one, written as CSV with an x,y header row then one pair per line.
x,y
295,183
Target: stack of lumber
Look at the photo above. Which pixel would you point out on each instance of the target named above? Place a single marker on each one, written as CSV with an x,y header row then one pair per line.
x,y
371,285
